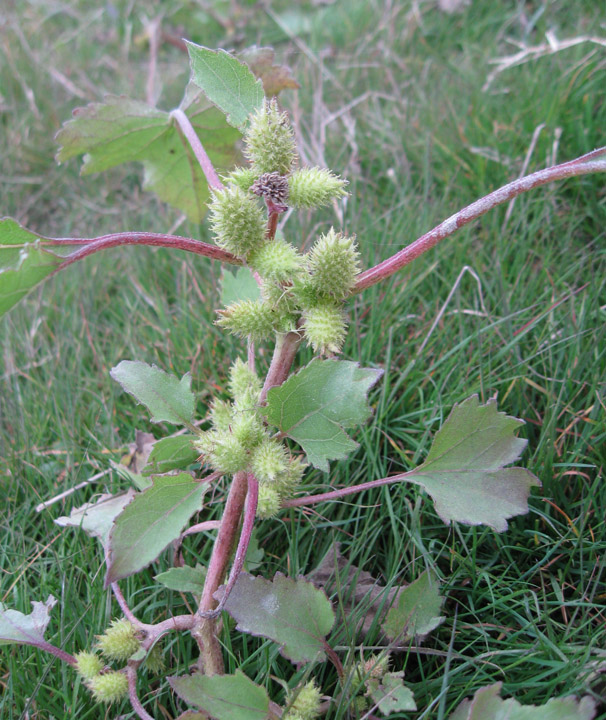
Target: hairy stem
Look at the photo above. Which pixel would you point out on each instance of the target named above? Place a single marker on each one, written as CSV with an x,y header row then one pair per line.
x,y
343,492
131,674
198,149
53,650
104,242
584,165
250,513
281,362
205,631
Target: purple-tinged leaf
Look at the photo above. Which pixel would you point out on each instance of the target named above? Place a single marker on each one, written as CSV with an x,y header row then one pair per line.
x,y
166,397
315,406
20,629
390,694
224,697
487,704
290,612
417,610
464,472
97,518
150,522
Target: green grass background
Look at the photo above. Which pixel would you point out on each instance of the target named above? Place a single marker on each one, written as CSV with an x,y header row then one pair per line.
x,y
392,97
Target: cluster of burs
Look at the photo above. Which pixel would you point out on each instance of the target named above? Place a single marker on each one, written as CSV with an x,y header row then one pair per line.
x,y
117,644
299,292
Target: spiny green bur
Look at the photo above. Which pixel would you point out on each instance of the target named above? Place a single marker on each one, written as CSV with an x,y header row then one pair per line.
x,y
314,187
334,264
269,142
325,327
109,687
237,220
306,704
119,641
88,665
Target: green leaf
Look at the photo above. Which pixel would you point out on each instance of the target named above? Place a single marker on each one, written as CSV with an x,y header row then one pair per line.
x,y
171,453
139,481
488,705
97,518
20,629
290,612
464,471
226,82
147,525
254,554
238,286
315,406
417,610
224,697
390,694
167,398
24,261
121,130
183,579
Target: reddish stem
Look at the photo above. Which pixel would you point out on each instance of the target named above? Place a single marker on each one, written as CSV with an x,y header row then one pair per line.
x,y
343,492
53,650
281,362
131,674
250,512
198,149
211,658
396,262
104,242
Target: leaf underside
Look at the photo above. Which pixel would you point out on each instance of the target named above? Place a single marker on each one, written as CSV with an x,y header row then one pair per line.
x,y
315,406
97,518
150,522
464,472
487,704
290,612
17,628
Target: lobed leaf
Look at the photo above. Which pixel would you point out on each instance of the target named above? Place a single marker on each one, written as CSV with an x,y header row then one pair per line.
x,y
224,697
487,704
227,83
97,518
239,286
317,404
464,471
390,694
290,612
24,261
150,522
17,628
122,130
167,398
171,453
417,610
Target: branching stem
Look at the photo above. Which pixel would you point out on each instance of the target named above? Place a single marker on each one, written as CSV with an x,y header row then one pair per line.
x,y
584,165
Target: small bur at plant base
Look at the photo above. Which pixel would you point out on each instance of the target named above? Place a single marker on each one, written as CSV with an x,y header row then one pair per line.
x,y
109,687
119,641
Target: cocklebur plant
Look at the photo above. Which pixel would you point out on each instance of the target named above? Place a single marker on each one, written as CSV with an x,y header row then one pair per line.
x,y
262,437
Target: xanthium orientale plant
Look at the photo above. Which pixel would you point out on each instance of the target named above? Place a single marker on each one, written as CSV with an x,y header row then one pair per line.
x,y
262,439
